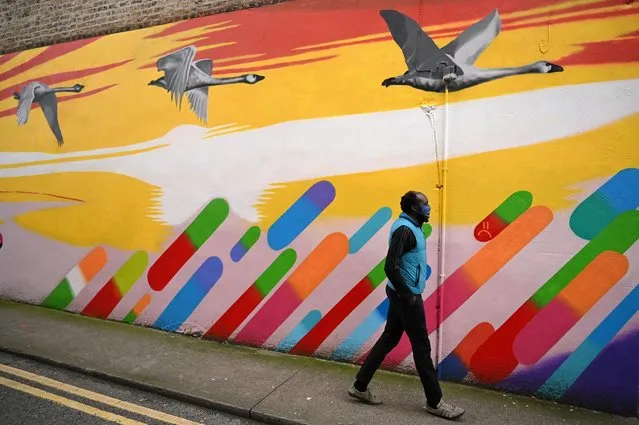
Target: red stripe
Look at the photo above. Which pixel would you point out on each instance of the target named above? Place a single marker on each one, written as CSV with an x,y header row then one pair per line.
x,y
274,66
275,32
46,55
318,334
495,360
170,262
104,301
12,111
8,57
609,51
62,76
235,315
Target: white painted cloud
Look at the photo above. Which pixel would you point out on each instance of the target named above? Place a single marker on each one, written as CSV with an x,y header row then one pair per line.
x,y
193,168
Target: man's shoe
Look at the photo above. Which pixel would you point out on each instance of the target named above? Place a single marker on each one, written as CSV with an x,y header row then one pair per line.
x,y
365,396
445,410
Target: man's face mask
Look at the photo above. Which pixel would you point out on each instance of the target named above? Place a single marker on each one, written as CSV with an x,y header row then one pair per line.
x,y
424,212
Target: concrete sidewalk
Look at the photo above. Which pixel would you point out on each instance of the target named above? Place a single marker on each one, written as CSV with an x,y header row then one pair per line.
x,y
267,386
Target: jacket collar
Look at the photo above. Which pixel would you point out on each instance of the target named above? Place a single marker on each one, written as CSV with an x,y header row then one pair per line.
x,y
409,218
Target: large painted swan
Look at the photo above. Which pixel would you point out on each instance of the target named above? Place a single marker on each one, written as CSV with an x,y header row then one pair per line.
x,y
432,69
182,76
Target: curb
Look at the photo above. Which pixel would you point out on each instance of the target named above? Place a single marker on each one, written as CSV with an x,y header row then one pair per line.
x,y
162,391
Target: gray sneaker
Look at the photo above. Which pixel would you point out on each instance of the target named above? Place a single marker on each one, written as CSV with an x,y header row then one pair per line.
x,y
365,396
445,410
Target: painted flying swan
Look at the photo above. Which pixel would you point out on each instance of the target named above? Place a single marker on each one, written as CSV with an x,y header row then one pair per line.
x,y
431,68
45,96
183,76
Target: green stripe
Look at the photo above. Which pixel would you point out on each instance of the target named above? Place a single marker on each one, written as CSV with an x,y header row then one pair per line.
x,y
207,222
514,206
618,236
60,297
275,272
377,275
250,237
131,271
130,317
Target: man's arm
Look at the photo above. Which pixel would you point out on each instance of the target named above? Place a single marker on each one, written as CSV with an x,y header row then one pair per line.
x,y
402,241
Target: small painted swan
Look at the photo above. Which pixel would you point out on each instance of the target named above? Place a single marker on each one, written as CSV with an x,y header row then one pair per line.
x,y
182,76
44,95
431,68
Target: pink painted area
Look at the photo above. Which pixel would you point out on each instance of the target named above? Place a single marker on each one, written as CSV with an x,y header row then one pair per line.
x,y
548,326
458,288
274,312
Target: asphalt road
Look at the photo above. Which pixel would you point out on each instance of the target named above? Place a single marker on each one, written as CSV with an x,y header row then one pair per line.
x,y
33,393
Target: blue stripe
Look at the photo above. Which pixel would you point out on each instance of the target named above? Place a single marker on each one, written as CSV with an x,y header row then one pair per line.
x,y
190,296
351,345
369,229
302,328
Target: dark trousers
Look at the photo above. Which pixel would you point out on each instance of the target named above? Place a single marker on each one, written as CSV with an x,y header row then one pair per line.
x,y
412,320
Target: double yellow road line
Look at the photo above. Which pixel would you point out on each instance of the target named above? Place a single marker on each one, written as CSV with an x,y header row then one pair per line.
x,y
81,392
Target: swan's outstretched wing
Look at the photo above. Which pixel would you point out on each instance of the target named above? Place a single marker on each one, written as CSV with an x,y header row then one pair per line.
x,y
467,47
204,65
199,101
420,51
49,105
176,68
24,105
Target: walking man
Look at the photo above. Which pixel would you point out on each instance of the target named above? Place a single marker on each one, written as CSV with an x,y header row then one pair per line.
x,y
406,270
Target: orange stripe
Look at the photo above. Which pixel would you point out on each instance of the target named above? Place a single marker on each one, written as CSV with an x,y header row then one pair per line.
x,y
142,304
493,256
594,281
319,264
93,263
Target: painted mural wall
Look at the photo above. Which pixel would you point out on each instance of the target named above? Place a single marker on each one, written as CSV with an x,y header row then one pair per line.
x,y
235,177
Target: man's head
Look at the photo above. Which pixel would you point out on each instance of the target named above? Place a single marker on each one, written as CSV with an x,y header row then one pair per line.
x,y
415,204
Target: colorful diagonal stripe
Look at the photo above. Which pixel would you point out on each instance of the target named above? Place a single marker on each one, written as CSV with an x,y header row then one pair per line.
x,y
300,215
137,309
568,307
183,248
316,336
302,328
79,276
117,287
245,243
191,295
252,297
326,256
495,359
369,229
585,354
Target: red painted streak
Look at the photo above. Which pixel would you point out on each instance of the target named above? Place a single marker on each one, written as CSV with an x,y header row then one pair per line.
x,y
318,334
104,301
60,77
610,51
235,315
277,31
489,227
274,66
170,262
494,360
8,57
12,111
46,55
